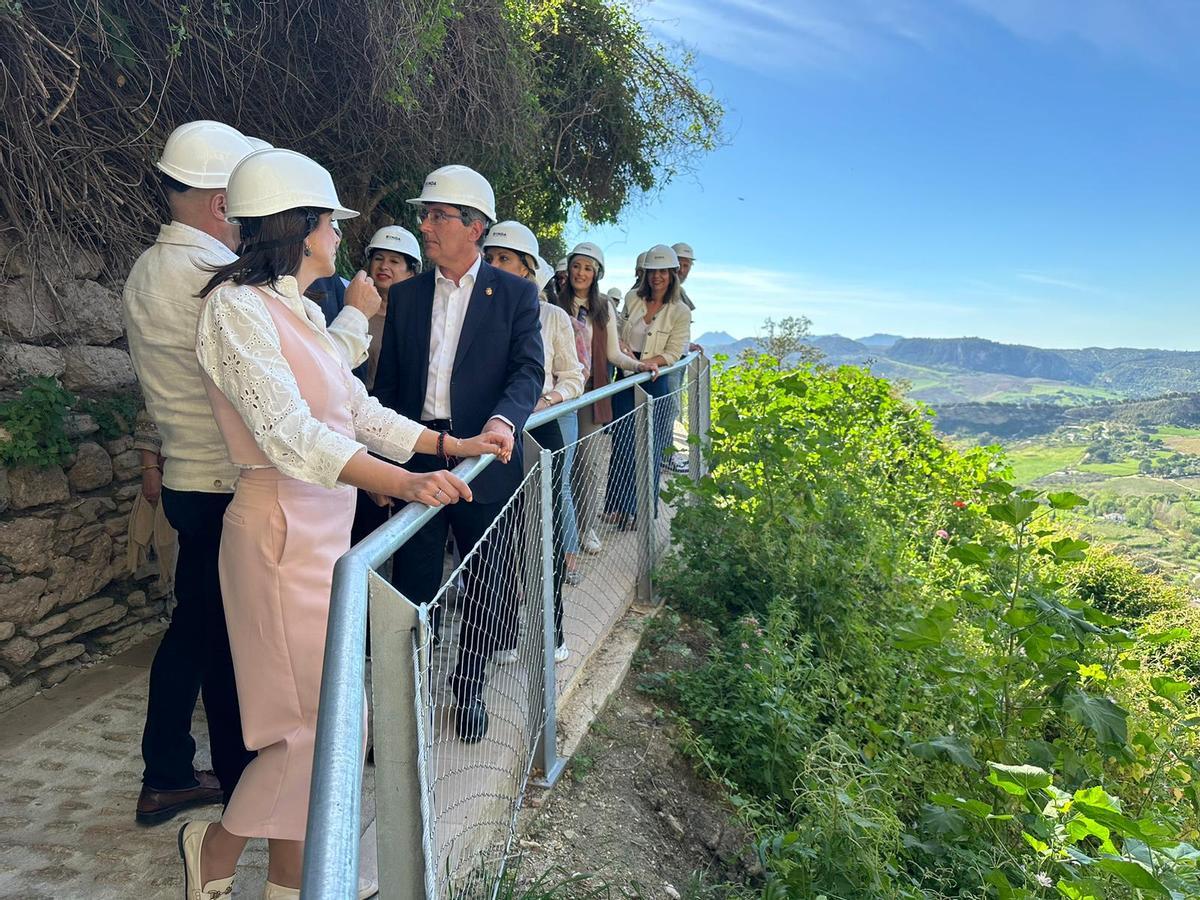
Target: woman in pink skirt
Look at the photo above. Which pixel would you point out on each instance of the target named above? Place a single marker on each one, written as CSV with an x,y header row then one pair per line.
x,y
299,425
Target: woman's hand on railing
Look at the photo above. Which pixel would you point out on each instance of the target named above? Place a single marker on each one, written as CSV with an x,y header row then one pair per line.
x,y
650,367
433,488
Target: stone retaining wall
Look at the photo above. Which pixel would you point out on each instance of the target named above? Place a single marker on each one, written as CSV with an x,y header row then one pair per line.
x,y
66,597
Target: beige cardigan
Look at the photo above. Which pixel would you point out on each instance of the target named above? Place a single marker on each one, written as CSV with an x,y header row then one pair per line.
x,y
670,329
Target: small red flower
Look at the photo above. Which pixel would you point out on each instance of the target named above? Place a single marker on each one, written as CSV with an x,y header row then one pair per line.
x,y
960,504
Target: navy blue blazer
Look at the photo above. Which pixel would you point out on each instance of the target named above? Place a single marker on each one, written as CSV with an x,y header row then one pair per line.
x,y
498,368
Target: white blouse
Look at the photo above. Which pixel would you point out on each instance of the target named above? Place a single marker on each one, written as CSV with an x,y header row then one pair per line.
x,y
238,348
564,371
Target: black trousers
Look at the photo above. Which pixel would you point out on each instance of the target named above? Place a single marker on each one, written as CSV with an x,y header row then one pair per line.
x,y
487,579
193,658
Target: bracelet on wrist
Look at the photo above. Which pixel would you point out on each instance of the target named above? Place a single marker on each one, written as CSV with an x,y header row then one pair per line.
x,y
155,467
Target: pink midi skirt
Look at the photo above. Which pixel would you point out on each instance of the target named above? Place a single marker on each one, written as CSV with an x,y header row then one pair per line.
x,y
279,542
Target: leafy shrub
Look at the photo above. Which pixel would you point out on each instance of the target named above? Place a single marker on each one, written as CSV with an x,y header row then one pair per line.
x,y
1116,586
920,686
34,422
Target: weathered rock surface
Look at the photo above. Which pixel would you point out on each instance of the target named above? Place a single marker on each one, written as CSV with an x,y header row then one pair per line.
x,y
98,369
30,486
92,469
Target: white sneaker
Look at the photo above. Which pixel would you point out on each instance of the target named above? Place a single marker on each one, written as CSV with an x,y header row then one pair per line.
x,y
561,653
591,543
506,657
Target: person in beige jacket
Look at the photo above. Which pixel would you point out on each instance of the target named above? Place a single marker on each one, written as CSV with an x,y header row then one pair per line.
x,y
656,329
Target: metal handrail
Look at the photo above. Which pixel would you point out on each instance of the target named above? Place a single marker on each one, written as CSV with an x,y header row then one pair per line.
x,y
332,835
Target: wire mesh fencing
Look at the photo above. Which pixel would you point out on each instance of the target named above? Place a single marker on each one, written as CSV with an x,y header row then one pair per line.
x,y
467,687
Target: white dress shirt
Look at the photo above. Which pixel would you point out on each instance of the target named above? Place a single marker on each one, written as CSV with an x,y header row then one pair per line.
x,y
238,348
450,302
161,310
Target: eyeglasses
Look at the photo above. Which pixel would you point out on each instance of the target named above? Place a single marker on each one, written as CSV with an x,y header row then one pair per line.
x,y
437,216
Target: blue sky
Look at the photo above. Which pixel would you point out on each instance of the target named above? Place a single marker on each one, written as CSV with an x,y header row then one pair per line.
x,y
1022,170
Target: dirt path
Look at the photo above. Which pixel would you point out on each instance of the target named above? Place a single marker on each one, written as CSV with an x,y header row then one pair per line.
x,y
631,810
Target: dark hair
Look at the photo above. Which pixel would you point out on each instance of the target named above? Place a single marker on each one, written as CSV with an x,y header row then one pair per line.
x,y
597,310
643,288
271,248
551,292
172,185
414,265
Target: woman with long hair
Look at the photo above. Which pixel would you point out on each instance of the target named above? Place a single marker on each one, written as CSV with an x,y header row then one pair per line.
x,y
596,343
513,247
656,330
298,425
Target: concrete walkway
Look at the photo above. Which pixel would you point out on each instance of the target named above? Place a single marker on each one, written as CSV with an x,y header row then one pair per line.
x,y
70,772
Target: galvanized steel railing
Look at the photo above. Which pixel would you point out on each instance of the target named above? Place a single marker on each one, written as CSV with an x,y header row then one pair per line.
x,y
404,695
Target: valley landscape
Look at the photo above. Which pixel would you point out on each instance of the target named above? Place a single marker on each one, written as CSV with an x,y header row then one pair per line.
x,y
1120,426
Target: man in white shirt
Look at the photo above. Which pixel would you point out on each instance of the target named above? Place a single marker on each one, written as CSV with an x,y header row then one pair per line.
x,y
184,460
462,353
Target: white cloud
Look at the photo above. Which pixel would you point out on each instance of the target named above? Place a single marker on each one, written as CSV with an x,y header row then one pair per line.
x,y
738,299
1055,281
776,37
1154,31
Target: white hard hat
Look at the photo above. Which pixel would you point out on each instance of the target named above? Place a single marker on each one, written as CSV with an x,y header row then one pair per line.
x,y
544,273
684,251
615,293
270,181
592,252
562,265
640,260
459,186
513,236
396,239
660,256
202,154
258,143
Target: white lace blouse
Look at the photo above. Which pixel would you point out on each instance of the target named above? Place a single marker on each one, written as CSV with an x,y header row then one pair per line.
x,y
238,348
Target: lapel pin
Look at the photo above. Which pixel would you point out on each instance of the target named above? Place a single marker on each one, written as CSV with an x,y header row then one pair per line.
x,y
488,291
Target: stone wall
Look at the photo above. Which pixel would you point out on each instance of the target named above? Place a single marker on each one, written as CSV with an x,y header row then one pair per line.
x,y
66,597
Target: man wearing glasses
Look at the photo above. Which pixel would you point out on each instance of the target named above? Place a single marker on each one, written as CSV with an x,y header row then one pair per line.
x,y
462,353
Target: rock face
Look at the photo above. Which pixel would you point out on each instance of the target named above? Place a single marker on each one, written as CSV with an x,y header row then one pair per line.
x,y
66,595
20,361
104,369
93,468
95,309
30,486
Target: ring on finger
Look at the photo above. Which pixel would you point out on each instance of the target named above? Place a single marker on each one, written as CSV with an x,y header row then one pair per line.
x,y
437,494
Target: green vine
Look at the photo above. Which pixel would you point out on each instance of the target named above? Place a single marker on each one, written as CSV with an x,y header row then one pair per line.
x,y
114,415
34,422
33,425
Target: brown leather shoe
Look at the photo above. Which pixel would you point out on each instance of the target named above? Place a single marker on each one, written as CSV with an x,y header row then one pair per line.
x,y
154,806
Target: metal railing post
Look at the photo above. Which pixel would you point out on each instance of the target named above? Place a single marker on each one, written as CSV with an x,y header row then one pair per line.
x,y
705,420
547,746
644,473
395,639
694,454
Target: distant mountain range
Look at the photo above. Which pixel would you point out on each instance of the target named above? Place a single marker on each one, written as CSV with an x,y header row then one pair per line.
x,y
956,370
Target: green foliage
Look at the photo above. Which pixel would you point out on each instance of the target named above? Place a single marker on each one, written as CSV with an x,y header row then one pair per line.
x,y
1115,586
563,104
920,683
34,425
34,422
114,415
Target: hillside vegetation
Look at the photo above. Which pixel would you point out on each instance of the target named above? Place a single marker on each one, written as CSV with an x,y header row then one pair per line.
x,y
962,370
921,683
